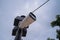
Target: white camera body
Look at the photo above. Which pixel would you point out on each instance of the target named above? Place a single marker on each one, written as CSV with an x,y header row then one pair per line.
x,y
27,21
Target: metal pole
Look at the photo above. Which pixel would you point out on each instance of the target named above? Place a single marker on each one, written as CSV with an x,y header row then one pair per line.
x,y
39,6
18,35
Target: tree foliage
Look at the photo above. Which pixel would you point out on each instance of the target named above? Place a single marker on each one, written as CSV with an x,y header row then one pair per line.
x,y
50,39
58,34
56,23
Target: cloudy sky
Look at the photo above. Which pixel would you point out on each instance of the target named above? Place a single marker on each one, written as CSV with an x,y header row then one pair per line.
x,y
40,29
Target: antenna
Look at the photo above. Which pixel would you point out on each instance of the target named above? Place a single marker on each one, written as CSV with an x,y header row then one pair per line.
x,y
40,6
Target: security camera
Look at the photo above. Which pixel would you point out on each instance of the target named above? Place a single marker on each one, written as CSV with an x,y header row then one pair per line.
x,y
23,22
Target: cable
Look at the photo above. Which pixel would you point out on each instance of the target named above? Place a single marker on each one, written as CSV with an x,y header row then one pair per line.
x,y
40,6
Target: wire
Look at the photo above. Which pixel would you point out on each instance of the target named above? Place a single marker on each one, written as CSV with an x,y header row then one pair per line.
x,y
40,6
